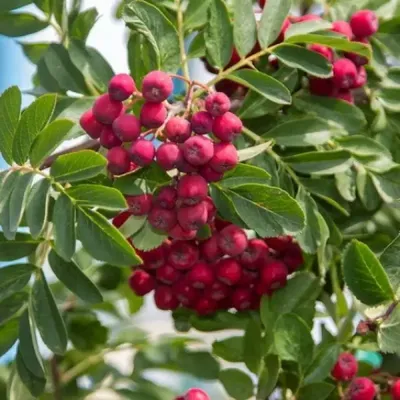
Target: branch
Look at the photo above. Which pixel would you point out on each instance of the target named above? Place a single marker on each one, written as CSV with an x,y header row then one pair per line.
x,y
55,375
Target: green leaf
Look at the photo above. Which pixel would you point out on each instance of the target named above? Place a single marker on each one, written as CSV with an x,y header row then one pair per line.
x,y
78,166
33,120
97,196
365,276
151,23
389,333
8,335
34,383
268,376
389,97
200,364
195,15
304,59
16,389
274,14
10,108
388,184
74,279
47,317
245,173
346,184
37,207
251,152
320,163
197,48
83,24
48,140
103,241
22,246
252,344
14,278
320,391
302,28
11,305
20,24
218,34
5,5
244,26
148,238
390,262
293,341
366,190
64,227
7,186
44,5
263,84
230,349
237,384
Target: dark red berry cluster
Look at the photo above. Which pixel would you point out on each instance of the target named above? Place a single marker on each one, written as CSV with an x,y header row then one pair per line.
x,y
194,394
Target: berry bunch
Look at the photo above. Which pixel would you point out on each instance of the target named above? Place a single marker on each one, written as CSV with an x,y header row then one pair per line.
x,y
194,394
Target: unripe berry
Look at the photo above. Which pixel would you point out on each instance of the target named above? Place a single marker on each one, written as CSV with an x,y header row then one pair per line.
x,y
178,233
155,258
192,217
202,122
198,150
127,127
279,243
242,299
90,124
342,27
361,78
142,152
153,115
106,110
141,282
165,298
225,157
140,205
345,368
201,276
256,251
178,129
161,219
228,271
345,95
169,156
206,306
108,139
192,189
121,87
121,218
118,160
273,276
183,255
232,240
395,391
218,104
167,274
227,127
361,389
218,291
210,250
357,59
185,293
325,51
209,174
157,86
322,87
293,257
364,23
166,198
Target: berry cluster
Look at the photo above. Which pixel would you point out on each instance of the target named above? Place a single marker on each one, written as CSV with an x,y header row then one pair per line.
x,y
194,394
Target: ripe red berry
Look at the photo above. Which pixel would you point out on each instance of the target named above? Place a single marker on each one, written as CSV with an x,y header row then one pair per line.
x,y
192,217
161,219
121,218
192,189
108,139
210,250
256,251
344,73
142,152
345,95
293,257
178,233
166,198
357,59
242,299
121,87
218,291
202,122
249,278
201,275
285,26
187,168
157,86
227,127
155,258
273,276
198,150
127,127
228,271
118,161
209,174
185,293
206,306
153,115
322,87
232,240
395,391
325,51
364,23
183,255
342,27
106,110
169,156
178,129
141,282
90,124
211,209
279,243
262,3
165,298
362,389
167,274
361,78
345,368
218,103
140,205
225,157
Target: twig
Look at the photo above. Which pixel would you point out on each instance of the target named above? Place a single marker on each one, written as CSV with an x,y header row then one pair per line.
x,y
181,35
55,375
191,82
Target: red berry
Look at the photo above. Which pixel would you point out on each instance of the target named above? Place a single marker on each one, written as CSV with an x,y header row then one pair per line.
x,y
178,129
242,299
178,233
256,251
201,275
228,271
140,205
249,278
183,255
209,174
106,110
227,127
153,115
361,78
161,219
202,122
322,87
362,389
210,250
221,224
187,168
342,27
169,156
345,368
192,217
293,257
357,59
127,127
206,306
108,139
165,298
218,291
225,157
141,282
198,150
192,189
345,95
279,243
218,103
285,26
325,51
395,391
185,293
118,161
142,152
120,219
155,258
273,276
364,23
121,87
232,240
262,3
308,17
166,198
90,124
157,86
167,274
211,209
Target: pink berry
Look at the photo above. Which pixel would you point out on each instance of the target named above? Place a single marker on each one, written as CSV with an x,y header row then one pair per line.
x,y
357,59
169,156
209,174
201,275
121,218
141,282
218,104
395,391
322,87
90,124
345,368
183,255
342,27
225,157
178,233
205,306
108,139
202,122
192,189
273,276
121,87
210,250
165,298
256,251
140,205
153,115
232,240
155,258
364,23
178,129
142,152
361,78
162,219
345,95
293,257
127,127
325,51
242,299
166,198
198,150
362,389
106,110
285,26
187,168
192,217
218,291
167,274
308,17
249,278
344,73
157,86
227,127
211,209
228,271
185,293
118,160
279,243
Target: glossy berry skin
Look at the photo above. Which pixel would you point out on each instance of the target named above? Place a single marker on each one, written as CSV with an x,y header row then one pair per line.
x,y
361,389
166,198
345,368
209,174
218,291
141,282
273,276
342,27
225,157
210,250
227,127
106,110
183,255
395,390
344,73
178,129
198,150
165,298
228,271
157,86
325,51
192,189
256,251
167,274
201,275
108,139
127,127
118,160
153,115
142,152
90,124
169,156
242,299
140,205
121,87
205,306
186,293
192,217
218,104
178,233
364,23
161,219
232,240
322,87
202,122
